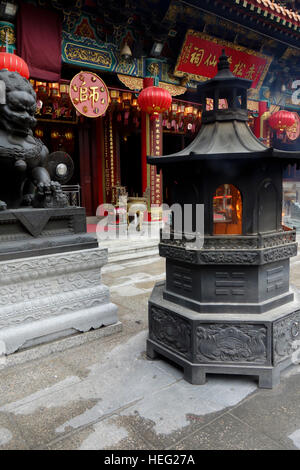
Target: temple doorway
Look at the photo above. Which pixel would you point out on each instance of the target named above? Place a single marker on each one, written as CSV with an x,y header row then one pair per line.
x,y
130,163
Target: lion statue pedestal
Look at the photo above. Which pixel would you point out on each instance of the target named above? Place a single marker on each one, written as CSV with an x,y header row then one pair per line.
x,y
50,268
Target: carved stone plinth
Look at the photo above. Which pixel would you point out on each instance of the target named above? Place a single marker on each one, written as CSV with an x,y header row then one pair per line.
x,y
46,297
244,344
29,232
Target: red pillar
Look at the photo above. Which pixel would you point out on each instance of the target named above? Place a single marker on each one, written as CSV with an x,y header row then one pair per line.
x,y
257,127
152,135
156,137
100,150
262,108
97,154
145,129
85,168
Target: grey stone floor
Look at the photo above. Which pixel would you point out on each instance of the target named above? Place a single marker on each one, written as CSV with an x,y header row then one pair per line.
x,y
106,394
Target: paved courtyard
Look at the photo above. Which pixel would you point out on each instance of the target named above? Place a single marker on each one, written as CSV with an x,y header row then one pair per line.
x,y
105,394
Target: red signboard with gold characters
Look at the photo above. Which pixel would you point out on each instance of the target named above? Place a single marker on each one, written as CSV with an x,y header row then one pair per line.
x,y
200,53
89,94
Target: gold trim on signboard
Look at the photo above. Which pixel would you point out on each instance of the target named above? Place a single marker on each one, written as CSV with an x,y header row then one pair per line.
x,y
221,42
133,83
136,83
87,56
174,90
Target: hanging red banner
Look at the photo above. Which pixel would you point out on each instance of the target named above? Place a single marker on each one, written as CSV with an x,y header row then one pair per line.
x,y
156,136
200,53
111,166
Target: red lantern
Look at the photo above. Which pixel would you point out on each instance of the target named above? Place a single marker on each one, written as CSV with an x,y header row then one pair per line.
x,y
13,63
281,120
154,101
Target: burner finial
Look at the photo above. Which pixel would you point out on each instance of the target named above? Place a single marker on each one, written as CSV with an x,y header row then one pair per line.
x,y
223,63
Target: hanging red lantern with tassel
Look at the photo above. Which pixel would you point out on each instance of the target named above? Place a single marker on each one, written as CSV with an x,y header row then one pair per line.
x,y
154,101
13,63
281,120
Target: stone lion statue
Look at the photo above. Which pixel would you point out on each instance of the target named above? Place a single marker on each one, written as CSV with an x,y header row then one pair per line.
x,y
24,179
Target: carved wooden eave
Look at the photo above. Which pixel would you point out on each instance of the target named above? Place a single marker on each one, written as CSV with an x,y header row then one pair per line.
x,y
277,12
136,83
